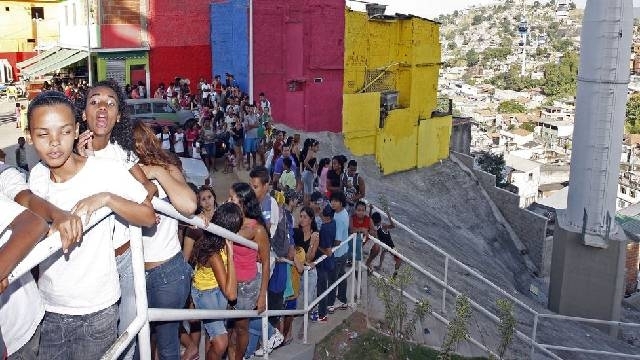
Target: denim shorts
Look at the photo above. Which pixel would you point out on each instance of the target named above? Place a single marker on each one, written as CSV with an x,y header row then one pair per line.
x,y
248,292
211,299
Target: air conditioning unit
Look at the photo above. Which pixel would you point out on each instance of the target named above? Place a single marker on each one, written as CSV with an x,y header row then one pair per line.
x,y
374,10
389,100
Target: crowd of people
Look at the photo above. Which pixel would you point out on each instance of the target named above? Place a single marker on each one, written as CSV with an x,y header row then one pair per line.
x,y
296,205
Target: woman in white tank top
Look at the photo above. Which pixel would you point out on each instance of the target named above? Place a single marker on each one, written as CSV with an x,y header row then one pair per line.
x,y
167,273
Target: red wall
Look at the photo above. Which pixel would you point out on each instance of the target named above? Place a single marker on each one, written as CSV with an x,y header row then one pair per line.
x,y
120,35
179,37
300,40
16,57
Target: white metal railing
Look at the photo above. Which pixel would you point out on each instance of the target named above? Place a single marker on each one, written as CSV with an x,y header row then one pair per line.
x,y
140,325
545,348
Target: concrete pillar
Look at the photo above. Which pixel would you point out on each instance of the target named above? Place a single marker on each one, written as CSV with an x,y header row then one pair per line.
x,y
586,281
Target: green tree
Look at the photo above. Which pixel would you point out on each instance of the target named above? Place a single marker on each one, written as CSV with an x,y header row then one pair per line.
x,y
632,123
560,79
529,126
562,45
451,45
493,164
472,58
477,19
511,107
399,321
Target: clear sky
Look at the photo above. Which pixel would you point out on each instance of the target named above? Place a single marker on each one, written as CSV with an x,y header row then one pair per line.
x,y
432,8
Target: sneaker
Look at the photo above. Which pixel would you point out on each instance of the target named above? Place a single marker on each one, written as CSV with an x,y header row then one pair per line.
x,y
275,340
314,316
323,320
339,305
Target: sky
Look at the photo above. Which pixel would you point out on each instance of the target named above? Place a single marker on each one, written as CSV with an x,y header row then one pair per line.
x,y
432,8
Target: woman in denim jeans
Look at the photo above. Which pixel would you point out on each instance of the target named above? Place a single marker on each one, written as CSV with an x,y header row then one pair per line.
x,y
252,287
214,281
167,273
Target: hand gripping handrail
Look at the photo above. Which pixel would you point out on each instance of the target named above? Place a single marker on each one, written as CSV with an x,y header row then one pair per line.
x,y
50,246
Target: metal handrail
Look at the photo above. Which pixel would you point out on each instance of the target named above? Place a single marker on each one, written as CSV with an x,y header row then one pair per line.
x,y
140,324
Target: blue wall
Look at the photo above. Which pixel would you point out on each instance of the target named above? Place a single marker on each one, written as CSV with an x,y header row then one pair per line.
x,y
230,40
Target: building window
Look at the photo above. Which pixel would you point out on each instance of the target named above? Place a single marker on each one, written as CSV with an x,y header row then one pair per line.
x,y
623,189
632,193
37,12
530,176
73,14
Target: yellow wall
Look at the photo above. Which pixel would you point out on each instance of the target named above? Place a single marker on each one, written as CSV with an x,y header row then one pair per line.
x,y
16,25
410,51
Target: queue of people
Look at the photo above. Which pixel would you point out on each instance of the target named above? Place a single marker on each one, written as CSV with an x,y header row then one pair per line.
x,y
296,205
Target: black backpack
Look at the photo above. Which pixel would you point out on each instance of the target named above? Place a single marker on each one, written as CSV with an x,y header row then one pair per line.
x,y
280,239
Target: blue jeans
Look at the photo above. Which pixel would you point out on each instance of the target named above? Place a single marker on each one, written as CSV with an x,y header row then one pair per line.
x,y
322,286
255,334
81,337
127,305
334,275
358,248
28,351
313,294
168,287
211,299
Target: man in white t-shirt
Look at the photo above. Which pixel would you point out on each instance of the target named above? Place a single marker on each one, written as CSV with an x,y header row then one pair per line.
x,y
21,308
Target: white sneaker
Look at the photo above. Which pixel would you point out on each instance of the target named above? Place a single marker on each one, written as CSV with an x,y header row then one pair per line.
x,y
274,341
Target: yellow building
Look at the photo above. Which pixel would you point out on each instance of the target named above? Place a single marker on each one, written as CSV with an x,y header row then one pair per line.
x,y
397,59
25,25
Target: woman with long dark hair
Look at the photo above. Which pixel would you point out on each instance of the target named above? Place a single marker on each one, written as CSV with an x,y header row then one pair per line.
x,y
252,285
167,273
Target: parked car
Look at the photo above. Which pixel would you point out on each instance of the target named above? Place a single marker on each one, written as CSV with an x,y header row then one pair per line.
x,y
157,109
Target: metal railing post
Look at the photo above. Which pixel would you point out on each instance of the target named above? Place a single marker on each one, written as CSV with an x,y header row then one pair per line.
x,y
140,286
306,304
444,288
533,335
353,273
265,327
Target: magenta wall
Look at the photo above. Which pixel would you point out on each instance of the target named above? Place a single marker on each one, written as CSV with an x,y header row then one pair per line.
x,y
179,37
300,41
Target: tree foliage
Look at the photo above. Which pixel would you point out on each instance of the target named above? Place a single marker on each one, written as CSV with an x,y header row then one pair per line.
x,y
632,122
511,80
561,78
529,126
511,107
493,164
472,58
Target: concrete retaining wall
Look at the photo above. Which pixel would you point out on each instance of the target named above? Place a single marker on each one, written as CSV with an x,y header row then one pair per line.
x,y
531,228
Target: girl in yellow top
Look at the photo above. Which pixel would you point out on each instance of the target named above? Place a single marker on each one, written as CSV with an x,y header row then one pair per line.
x,y
214,280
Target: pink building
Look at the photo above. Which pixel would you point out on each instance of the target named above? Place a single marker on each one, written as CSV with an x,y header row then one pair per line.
x,y
299,61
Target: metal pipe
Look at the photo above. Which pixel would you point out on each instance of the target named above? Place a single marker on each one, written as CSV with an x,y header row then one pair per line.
x,y
465,267
587,351
587,320
167,209
533,334
250,51
305,278
141,320
353,266
444,289
89,65
50,246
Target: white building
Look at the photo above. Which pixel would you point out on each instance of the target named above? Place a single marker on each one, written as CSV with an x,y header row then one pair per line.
x,y
628,189
525,174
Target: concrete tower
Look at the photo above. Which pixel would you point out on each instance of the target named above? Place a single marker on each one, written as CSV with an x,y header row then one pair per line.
x,y
587,266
